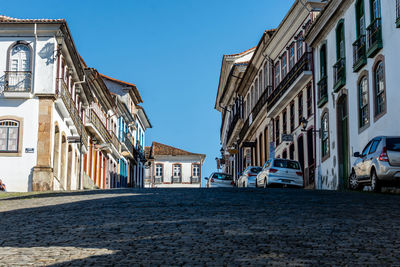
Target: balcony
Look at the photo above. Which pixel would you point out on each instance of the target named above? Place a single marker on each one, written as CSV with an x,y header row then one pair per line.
x,y
359,53
127,145
244,129
95,126
261,102
115,142
374,31
195,180
176,180
140,152
18,84
339,74
295,79
233,128
158,180
69,104
322,92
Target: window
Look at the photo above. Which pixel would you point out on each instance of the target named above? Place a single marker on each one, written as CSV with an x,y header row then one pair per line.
x,y
380,101
322,56
260,85
363,107
256,91
360,18
277,74
300,46
177,171
375,9
300,106
18,75
309,101
196,170
291,117
340,45
266,74
9,135
325,135
284,65
252,97
291,57
284,122
277,131
159,170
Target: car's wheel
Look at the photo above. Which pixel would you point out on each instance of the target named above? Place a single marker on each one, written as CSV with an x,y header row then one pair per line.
x,y
375,183
353,182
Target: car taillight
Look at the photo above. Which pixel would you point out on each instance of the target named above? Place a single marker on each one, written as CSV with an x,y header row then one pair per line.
x,y
249,175
273,170
384,156
299,173
212,180
232,183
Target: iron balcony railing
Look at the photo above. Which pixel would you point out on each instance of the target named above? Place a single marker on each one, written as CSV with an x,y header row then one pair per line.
x,y
127,142
261,102
176,180
339,74
91,117
158,180
235,119
114,141
244,129
322,91
63,93
17,81
374,42
359,52
195,180
304,64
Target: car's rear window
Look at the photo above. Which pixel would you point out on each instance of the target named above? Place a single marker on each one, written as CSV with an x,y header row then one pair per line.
x,y
288,164
222,176
393,144
256,170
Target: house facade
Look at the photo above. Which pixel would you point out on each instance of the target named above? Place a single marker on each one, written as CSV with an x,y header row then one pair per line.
x,y
171,167
58,118
355,53
276,96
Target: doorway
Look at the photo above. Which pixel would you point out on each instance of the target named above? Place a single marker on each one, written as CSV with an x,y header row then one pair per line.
x,y
343,140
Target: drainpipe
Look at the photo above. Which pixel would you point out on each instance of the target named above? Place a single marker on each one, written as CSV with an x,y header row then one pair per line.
x,y
34,54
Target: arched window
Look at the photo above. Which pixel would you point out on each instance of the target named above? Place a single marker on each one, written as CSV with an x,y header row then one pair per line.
x,y
19,71
256,91
380,101
340,44
360,18
260,85
325,135
252,97
9,135
323,82
375,9
339,69
363,105
265,74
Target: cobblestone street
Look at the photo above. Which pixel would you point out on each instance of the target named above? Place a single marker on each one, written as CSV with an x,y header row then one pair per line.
x,y
213,227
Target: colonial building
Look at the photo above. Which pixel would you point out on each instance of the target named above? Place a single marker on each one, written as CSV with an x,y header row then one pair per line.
x,y
355,47
275,96
58,120
230,106
171,167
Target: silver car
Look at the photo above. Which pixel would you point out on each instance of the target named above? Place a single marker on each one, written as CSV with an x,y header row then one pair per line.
x,y
378,164
219,179
283,172
248,177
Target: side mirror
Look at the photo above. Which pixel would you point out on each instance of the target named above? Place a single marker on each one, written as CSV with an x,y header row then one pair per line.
x,y
356,154
205,178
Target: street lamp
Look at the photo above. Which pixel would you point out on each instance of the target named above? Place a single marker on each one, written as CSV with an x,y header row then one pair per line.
x,y
303,124
59,39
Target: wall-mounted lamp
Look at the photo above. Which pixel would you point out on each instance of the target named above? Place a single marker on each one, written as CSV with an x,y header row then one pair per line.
x,y
59,39
303,124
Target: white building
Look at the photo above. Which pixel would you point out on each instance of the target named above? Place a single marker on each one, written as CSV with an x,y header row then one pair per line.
x,y
170,167
356,59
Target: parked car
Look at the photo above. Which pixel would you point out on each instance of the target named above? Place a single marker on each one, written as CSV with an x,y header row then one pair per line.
x,y
219,179
248,177
378,164
283,172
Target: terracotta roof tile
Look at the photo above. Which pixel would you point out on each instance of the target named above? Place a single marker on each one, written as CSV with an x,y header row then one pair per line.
x,y
165,150
244,52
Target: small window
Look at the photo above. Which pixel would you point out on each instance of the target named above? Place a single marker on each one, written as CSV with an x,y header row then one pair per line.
x,y
196,170
363,102
300,46
256,91
284,65
260,85
277,74
9,136
159,170
380,102
325,135
291,57
177,171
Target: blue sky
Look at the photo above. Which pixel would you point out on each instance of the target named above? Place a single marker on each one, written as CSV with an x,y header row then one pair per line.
x,y
172,51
